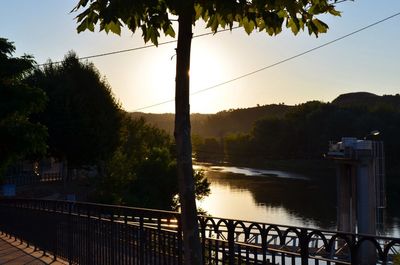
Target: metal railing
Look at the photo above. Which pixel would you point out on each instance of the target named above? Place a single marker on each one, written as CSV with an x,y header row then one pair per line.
x,y
85,233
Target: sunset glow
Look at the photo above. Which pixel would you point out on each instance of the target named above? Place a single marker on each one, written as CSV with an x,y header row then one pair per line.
x,y
144,79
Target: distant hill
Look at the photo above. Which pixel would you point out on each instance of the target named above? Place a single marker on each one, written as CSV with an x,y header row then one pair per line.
x,y
242,120
369,100
219,124
165,121
239,120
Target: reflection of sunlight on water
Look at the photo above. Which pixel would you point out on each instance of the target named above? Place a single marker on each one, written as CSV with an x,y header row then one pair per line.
x,y
249,194
253,172
240,204
392,229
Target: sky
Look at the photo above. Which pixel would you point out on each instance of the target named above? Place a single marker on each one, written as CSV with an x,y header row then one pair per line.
x,y
367,61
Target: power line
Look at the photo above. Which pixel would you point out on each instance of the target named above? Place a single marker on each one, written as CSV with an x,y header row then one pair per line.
x,y
153,45
279,62
137,48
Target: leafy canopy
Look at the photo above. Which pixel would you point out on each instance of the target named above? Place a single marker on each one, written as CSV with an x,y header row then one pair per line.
x,y
20,137
82,115
142,171
155,16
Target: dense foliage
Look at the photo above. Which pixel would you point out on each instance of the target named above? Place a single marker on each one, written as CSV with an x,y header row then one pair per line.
x,y
305,131
142,171
153,17
19,135
219,124
87,127
82,115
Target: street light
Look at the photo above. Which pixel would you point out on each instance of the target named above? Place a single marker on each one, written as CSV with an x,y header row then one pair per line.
x,y
372,134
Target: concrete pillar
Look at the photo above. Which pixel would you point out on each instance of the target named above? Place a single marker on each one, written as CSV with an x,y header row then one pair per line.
x,y
366,210
343,198
346,197
366,199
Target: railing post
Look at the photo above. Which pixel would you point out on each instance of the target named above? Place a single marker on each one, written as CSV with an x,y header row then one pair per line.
x,y
180,243
203,239
303,246
141,241
89,259
70,234
231,242
264,245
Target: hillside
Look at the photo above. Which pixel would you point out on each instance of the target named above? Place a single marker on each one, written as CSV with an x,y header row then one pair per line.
x,y
165,121
242,120
219,124
368,100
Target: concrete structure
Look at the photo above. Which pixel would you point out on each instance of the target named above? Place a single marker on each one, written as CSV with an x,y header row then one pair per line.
x,y
361,194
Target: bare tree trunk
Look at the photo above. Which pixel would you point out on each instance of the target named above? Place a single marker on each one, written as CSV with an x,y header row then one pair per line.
x,y
191,240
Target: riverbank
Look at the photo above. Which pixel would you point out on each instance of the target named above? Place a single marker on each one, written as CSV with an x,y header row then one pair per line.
x,y
316,169
274,196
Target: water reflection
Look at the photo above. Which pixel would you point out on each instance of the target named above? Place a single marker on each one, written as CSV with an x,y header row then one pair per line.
x,y
257,172
257,195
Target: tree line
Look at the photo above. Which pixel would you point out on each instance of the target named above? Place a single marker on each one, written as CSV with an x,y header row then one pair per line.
x,y
220,123
306,129
67,111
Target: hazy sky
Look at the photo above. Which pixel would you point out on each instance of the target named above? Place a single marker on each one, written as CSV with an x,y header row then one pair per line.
x,y
367,61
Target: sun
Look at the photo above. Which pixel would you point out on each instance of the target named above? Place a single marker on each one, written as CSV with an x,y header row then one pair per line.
x,y
207,69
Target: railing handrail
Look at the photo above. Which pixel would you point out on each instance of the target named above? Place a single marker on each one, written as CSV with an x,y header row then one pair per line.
x,y
91,204
233,236
177,214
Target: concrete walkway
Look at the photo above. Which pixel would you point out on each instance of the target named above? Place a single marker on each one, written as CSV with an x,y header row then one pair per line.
x,y
17,253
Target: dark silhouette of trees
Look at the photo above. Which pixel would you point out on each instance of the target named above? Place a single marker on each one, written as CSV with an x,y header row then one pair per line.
x,y
19,135
142,171
305,131
82,115
129,179
153,17
208,149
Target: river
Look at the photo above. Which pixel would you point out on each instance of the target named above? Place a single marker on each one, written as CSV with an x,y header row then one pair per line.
x,y
276,197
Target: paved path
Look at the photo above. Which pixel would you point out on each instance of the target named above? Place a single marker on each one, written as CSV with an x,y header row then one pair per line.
x,y
17,253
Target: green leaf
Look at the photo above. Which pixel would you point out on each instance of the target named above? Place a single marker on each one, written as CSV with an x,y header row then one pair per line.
x,y
321,26
293,26
333,11
82,26
270,31
115,27
198,11
90,26
154,34
170,31
248,25
282,13
213,23
260,24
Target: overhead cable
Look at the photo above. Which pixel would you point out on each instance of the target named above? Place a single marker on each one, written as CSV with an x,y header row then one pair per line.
x,y
277,63
136,48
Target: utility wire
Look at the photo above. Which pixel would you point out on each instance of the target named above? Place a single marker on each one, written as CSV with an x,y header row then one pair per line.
x,y
279,62
137,48
153,45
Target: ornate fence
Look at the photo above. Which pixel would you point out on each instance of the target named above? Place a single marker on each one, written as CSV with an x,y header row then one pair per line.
x,y
85,233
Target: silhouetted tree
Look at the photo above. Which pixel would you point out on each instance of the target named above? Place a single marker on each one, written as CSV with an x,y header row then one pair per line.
x,y
19,136
82,115
238,148
153,17
142,171
139,145
208,150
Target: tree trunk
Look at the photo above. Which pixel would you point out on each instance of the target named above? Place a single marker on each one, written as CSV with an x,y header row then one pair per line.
x,y
189,222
